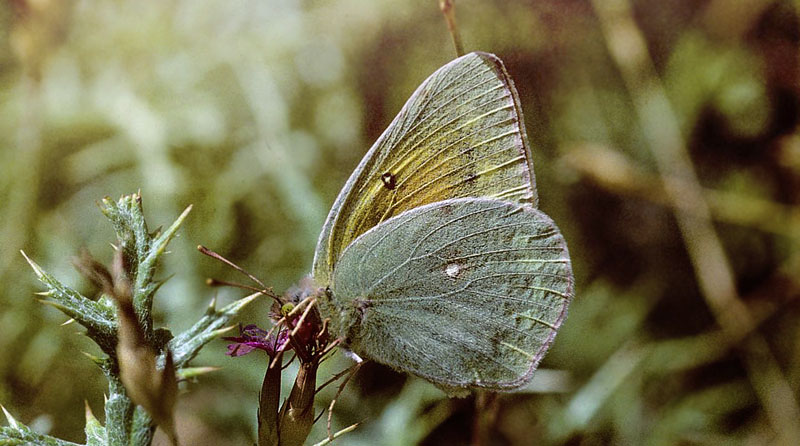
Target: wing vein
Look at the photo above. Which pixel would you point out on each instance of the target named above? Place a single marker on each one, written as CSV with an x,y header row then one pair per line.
x,y
410,154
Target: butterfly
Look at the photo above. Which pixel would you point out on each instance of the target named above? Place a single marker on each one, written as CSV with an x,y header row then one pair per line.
x,y
434,258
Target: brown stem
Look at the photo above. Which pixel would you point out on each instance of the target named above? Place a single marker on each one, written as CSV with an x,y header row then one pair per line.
x,y
448,8
485,416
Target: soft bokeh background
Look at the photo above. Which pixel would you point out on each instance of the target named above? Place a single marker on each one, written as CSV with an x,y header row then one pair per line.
x,y
685,328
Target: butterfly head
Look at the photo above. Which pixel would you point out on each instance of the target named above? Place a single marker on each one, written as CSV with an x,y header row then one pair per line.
x,y
298,308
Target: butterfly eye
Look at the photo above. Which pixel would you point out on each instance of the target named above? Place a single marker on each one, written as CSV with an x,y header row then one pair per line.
x,y
286,309
388,180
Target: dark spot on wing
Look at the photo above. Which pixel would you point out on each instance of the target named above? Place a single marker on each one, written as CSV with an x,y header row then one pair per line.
x,y
388,180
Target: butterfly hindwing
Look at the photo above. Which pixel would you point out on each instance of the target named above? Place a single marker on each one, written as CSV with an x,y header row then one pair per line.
x,y
460,135
464,292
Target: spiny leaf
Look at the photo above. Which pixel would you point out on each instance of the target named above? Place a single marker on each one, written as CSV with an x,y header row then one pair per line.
x,y
142,429
185,346
127,217
119,410
141,250
161,242
95,359
193,372
144,286
98,319
17,433
95,432
156,248
12,422
155,390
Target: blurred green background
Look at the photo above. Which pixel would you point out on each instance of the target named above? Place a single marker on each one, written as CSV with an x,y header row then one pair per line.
x,y
685,328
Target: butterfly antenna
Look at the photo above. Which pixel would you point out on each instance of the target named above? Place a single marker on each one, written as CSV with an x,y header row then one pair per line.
x,y
219,257
448,8
265,291
216,282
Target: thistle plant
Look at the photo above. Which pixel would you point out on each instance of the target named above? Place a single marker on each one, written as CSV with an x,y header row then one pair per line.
x,y
142,364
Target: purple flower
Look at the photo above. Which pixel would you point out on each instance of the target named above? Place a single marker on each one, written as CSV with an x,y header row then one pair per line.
x,y
251,337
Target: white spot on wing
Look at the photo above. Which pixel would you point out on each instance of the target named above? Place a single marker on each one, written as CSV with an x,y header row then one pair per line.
x,y
452,270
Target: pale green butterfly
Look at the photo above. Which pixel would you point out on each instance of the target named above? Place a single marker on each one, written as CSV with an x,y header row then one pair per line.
x,y
434,258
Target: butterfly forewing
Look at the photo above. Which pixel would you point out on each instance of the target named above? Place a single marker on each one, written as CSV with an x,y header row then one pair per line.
x,y
465,292
459,135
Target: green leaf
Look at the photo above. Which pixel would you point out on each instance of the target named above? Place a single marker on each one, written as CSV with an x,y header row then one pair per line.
x,y
95,432
17,433
144,287
119,411
141,250
127,217
98,317
142,429
186,345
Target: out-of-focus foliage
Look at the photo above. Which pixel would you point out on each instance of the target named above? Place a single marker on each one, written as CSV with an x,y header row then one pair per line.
x,y
257,111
